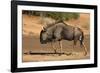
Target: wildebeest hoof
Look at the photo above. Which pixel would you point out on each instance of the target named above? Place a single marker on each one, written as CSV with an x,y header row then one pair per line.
x,y
55,51
60,54
85,53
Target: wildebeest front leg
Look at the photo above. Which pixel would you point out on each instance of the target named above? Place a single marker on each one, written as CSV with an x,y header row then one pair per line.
x,y
60,44
58,36
53,47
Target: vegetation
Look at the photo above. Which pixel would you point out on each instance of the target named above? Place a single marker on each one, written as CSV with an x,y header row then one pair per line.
x,y
54,15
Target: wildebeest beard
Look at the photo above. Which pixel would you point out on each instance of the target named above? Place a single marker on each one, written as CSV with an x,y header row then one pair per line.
x,y
45,41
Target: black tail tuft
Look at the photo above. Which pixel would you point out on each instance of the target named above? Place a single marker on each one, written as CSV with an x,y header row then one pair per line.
x,y
81,39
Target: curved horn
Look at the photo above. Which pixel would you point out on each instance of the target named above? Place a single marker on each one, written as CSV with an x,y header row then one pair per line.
x,y
45,25
43,28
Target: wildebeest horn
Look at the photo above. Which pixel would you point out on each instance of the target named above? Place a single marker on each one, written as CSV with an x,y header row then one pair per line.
x,y
43,28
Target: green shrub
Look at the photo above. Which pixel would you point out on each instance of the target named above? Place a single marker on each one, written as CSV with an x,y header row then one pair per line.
x,y
54,15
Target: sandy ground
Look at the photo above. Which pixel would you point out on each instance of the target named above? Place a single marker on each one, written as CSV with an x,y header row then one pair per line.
x,y
33,51
55,57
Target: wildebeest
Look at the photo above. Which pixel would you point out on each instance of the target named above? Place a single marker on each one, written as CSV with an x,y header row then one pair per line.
x,y
62,31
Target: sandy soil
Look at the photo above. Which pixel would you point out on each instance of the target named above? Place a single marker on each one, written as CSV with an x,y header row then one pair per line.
x,y
37,50
55,57
33,51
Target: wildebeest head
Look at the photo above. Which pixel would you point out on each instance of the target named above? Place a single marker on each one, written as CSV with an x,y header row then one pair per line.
x,y
43,36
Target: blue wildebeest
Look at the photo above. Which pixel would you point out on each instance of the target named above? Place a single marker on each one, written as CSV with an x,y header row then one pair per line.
x,y
62,31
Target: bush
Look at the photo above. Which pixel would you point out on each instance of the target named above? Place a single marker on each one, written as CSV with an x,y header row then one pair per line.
x,y
54,15
62,16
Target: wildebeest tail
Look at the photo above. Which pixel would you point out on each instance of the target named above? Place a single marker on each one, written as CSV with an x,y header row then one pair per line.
x,y
81,38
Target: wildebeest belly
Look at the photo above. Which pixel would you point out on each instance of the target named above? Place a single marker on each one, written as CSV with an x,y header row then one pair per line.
x,y
68,35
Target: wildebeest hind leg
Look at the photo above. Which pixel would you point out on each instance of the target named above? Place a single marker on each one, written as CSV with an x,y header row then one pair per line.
x,y
85,49
74,43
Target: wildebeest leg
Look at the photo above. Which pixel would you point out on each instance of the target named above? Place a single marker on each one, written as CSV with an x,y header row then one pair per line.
x,y
60,44
74,43
53,47
84,48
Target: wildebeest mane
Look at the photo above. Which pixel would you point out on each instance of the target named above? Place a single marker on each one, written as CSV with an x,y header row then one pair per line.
x,y
59,21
